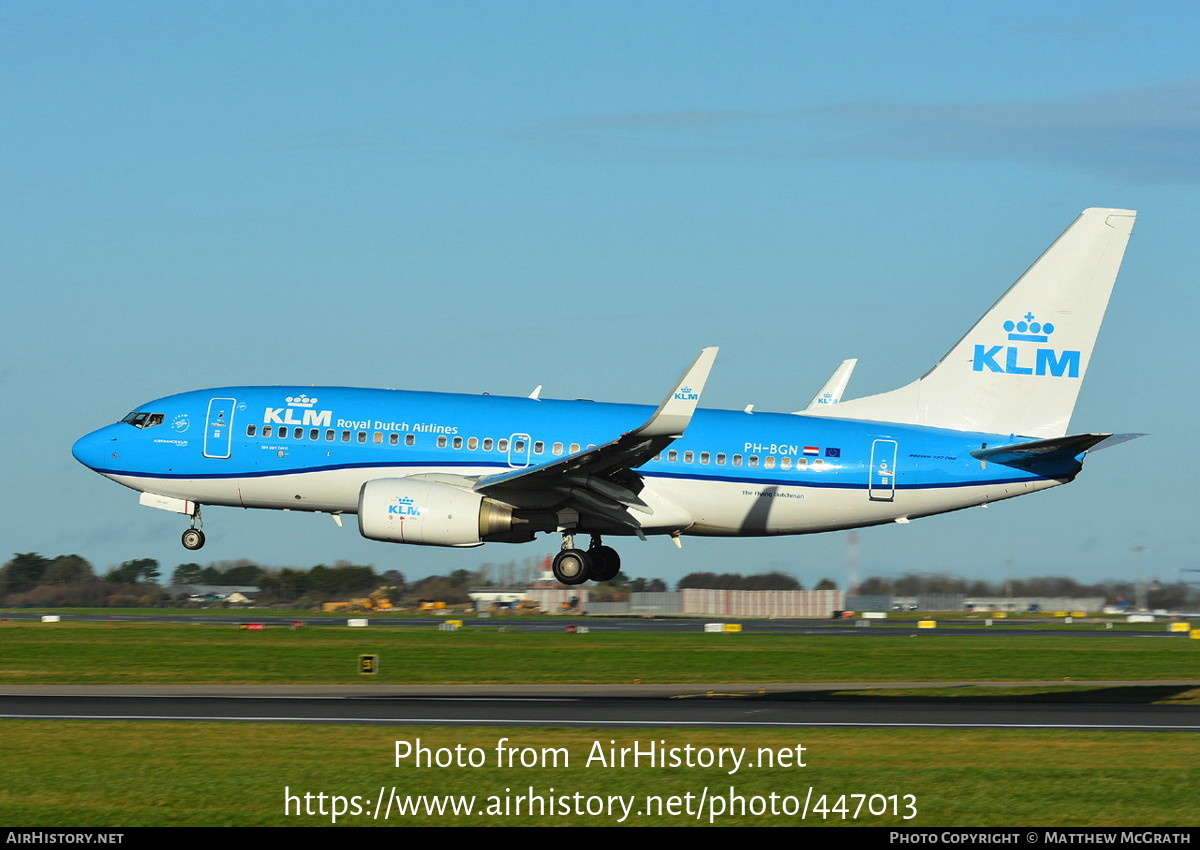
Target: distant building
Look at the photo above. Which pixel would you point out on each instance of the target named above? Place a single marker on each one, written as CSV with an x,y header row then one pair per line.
x,y
233,594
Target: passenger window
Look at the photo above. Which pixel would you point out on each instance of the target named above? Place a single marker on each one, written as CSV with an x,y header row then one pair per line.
x,y
394,439
688,456
283,432
769,462
487,444
378,438
519,446
574,448
818,463
704,457
266,430
557,448
672,456
362,436
345,436
410,439
441,441
473,443
250,429
538,447
737,460
329,436
458,442
801,462
786,463
314,434
753,460
720,458
502,445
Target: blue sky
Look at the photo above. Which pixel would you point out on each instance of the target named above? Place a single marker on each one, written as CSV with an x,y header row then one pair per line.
x,y
490,196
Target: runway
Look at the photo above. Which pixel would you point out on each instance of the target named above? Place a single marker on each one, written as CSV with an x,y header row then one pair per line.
x,y
947,627
716,706
1129,705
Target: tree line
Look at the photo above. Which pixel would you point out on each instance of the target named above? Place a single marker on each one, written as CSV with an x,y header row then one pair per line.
x,y
29,579
1159,594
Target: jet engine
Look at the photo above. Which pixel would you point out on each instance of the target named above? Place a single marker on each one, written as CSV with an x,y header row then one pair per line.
x,y
409,510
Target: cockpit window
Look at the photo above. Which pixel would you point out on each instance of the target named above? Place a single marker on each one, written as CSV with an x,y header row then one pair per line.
x,y
140,419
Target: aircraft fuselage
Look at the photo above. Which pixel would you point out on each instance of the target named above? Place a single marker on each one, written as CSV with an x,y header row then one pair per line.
x,y
733,473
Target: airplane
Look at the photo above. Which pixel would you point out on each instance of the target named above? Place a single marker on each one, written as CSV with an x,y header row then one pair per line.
x,y
988,422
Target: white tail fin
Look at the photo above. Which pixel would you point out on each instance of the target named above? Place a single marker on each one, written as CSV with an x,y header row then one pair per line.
x,y
1019,369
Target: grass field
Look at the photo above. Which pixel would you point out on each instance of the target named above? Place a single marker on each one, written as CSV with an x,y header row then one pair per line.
x,y
133,653
122,774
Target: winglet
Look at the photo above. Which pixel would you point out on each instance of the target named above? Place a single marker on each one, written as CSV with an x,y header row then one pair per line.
x,y
676,410
831,393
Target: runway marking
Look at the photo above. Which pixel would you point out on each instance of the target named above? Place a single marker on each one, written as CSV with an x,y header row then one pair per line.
x,y
442,721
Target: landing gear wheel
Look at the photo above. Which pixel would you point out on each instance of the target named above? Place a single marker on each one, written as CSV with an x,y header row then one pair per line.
x,y
606,563
193,539
571,566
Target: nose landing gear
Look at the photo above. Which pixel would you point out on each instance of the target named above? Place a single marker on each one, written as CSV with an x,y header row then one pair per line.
x,y
193,538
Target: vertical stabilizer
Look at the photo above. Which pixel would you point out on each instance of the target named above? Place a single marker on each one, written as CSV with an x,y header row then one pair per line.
x,y
1019,369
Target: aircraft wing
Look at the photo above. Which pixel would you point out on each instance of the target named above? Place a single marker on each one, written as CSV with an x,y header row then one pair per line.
x,y
601,480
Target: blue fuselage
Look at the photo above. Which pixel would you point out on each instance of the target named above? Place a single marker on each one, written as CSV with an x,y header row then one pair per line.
x,y
732,472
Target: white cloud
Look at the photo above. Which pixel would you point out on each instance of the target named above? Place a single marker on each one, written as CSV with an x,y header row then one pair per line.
x,y
1149,134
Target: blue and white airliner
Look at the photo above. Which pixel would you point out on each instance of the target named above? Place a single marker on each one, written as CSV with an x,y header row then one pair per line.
x,y
987,422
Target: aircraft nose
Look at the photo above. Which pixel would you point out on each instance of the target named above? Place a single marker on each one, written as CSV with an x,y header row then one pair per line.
x,y
96,449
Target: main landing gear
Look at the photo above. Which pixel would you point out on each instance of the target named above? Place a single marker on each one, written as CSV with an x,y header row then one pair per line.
x,y
193,538
574,566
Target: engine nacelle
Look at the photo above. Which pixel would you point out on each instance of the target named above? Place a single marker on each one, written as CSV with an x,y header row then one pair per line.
x,y
410,510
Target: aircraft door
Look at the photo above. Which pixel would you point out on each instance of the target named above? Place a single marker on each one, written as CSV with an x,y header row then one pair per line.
x,y
883,471
519,446
218,428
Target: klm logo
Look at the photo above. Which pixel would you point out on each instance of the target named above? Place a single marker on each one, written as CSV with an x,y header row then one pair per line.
x,y
686,394
301,405
1026,360
404,507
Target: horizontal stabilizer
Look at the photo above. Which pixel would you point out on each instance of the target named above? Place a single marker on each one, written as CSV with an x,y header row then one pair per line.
x,y
1114,440
1041,452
